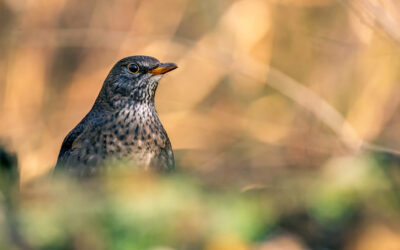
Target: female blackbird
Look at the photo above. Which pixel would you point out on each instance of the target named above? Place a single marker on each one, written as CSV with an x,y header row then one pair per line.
x,y
123,124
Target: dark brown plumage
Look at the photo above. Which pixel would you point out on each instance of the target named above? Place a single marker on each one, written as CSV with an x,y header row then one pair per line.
x,y
123,124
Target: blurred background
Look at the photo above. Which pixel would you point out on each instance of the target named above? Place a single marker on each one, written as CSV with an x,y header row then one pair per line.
x,y
272,114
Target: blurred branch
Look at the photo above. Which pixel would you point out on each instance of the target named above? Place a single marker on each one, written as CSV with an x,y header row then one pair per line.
x,y
379,148
304,97
376,16
312,102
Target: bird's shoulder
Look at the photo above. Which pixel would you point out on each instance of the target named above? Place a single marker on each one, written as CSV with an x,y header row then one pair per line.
x,y
74,138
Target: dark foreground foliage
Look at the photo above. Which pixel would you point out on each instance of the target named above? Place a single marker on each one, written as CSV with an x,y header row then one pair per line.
x,y
134,210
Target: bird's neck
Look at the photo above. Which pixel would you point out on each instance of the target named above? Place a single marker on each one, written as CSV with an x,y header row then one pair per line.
x,y
140,117
113,101
118,102
141,111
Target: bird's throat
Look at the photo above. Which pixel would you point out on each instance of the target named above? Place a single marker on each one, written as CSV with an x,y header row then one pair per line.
x,y
141,119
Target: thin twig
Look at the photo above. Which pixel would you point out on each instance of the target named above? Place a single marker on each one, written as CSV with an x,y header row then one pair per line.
x,y
374,16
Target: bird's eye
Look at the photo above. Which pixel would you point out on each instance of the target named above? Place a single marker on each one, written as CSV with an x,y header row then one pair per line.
x,y
133,68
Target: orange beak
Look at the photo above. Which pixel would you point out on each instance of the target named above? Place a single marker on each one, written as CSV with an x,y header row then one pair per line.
x,y
163,68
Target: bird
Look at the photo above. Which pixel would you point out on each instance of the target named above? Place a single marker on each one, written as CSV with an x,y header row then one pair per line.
x,y
122,125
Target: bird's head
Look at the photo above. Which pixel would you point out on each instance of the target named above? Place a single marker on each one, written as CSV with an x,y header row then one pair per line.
x,y
135,78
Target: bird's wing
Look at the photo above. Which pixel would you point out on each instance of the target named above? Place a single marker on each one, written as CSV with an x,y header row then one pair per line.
x,y
68,142
71,141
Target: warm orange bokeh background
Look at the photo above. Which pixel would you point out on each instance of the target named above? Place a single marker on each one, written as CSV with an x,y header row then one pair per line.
x,y
56,55
264,87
